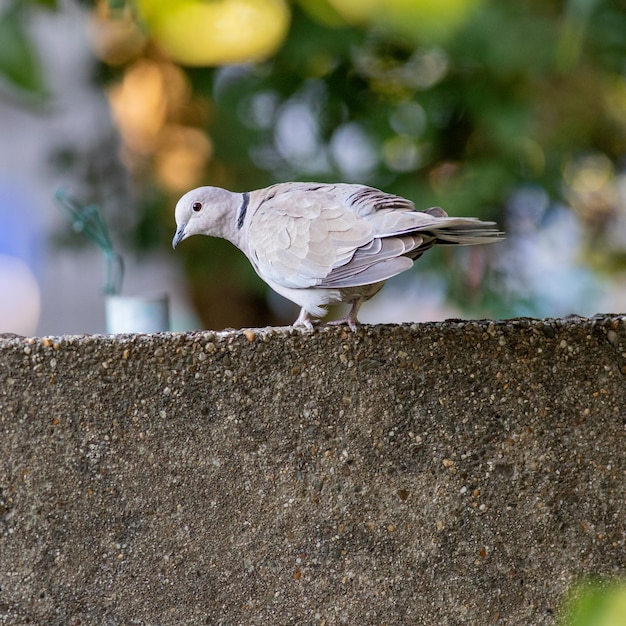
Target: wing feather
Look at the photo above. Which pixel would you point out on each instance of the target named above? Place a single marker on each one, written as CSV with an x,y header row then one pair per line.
x,y
332,236
298,233
360,269
377,272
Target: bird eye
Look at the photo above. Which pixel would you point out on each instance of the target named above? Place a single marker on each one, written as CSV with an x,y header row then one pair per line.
x,y
196,206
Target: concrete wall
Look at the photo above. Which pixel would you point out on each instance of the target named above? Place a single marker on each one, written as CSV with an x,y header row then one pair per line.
x,y
453,473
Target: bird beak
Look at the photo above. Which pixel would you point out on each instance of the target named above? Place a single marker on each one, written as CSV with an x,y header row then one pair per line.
x,y
179,236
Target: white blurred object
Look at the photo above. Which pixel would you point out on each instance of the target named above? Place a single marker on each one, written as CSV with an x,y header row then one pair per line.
x,y
20,302
136,314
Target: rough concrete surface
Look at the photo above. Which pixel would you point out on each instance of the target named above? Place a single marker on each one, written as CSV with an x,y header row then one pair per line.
x,y
449,473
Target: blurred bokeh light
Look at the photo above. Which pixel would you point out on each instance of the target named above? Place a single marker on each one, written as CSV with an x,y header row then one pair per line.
x,y
20,299
21,255
151,105
194,32
426,20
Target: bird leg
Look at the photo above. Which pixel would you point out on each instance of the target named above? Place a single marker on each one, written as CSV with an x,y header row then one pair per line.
x,y
304,319
350,319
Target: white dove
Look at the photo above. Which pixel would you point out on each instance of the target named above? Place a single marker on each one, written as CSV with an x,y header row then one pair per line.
x,y
316,244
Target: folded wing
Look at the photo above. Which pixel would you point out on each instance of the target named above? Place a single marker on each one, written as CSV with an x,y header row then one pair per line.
x,y
333,236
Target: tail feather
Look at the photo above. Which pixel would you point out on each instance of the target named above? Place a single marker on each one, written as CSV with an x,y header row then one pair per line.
x,y
466,231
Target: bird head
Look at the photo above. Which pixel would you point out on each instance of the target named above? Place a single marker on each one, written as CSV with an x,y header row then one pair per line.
x,y
205,211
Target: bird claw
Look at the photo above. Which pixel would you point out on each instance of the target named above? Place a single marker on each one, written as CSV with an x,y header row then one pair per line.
x,y
308,324
348,321
304,321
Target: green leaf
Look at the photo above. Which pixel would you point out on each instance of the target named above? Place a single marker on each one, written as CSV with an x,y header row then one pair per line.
x,y
117,5
48,4
597,605
19,64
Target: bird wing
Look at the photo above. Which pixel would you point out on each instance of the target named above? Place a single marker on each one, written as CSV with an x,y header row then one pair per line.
x,y
314,235
300,232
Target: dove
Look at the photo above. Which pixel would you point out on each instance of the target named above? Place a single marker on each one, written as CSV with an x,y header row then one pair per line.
x,y
317,244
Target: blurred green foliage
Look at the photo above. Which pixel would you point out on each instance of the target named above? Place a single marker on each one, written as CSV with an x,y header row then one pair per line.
x,y
19,63
595,604
512,96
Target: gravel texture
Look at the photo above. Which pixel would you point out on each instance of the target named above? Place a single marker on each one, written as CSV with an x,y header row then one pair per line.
x,y
433,474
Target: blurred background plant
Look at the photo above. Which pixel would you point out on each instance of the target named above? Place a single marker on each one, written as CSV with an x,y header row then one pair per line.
x,y
87,221
595,603
508,111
